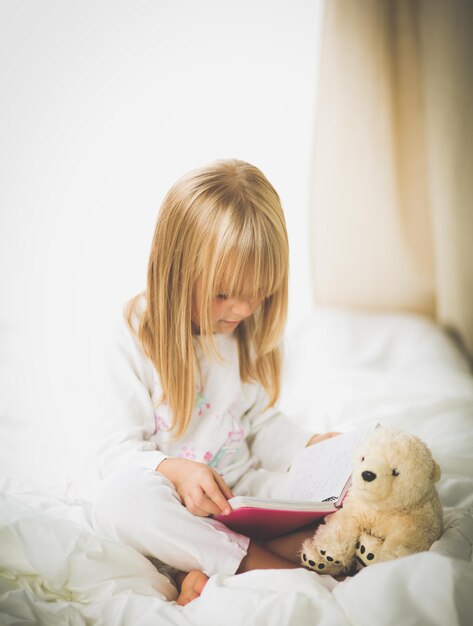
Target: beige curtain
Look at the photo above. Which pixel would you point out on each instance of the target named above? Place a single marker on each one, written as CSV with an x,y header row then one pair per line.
x,y
392,181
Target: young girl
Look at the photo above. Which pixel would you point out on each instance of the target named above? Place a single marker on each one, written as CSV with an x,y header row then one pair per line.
x,y
194,374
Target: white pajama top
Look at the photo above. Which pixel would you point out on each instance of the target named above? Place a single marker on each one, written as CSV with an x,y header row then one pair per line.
x,y
230,428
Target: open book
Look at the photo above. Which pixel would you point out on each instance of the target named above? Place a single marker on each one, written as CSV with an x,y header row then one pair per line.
x,y
316,485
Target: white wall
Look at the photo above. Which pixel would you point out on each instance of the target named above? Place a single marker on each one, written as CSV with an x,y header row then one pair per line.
x,y
104,106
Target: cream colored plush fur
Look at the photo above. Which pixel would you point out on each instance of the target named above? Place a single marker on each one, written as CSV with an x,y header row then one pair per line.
x,y
391,510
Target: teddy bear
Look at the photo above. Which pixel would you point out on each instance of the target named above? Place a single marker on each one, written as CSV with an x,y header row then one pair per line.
x,y
392,508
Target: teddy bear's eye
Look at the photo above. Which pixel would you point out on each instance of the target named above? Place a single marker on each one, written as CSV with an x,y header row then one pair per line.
x,y
362,459
395,472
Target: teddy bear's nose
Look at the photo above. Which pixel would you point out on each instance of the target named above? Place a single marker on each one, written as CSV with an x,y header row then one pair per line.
x,y
368,476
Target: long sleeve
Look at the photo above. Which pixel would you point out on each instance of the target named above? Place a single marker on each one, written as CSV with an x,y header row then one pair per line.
x,y
127,408
274,438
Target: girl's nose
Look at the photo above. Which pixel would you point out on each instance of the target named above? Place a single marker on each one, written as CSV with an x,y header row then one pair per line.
x,y
243,307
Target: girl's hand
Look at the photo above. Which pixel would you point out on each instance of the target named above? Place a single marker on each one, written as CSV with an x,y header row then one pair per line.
x,y
319,438
202,490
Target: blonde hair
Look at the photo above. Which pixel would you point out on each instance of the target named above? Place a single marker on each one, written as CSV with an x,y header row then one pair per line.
x,y
221,225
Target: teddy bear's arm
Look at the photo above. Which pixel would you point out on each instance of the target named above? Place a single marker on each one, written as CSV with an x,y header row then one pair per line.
x,y
388,539
402,537
417,530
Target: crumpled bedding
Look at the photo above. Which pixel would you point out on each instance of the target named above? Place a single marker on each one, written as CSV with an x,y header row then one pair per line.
x,y
343,369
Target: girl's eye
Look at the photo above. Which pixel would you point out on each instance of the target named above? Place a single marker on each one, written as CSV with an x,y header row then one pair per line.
x,y
222,296
395,472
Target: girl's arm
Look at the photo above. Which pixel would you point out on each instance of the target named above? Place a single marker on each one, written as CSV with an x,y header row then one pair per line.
x,y
126,416
275,438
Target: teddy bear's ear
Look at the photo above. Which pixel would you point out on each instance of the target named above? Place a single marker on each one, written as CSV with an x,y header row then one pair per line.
x,y
436,473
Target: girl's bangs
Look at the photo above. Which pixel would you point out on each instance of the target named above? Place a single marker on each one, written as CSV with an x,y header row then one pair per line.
x,y
253,271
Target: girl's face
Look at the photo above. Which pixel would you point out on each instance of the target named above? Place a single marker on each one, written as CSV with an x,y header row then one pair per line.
x,y
226,312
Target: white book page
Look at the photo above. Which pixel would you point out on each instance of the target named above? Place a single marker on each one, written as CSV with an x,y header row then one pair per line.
x,y
321,471
239,502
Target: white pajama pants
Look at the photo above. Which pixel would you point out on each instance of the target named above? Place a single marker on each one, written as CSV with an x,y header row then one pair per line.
x,y
141,508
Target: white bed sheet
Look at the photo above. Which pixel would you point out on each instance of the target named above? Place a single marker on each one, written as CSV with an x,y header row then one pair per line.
x,y
343,369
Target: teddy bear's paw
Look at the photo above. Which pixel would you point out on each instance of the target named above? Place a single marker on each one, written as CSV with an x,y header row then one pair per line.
x,y
322,561
368,550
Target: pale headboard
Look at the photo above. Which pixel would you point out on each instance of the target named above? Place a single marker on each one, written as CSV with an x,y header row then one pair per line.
x,y
392,178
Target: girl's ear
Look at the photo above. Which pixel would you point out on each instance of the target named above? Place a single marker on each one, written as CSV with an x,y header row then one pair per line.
x,y
436,472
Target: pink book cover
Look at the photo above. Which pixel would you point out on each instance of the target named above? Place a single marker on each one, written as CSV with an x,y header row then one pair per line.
x,y
318,483
260,523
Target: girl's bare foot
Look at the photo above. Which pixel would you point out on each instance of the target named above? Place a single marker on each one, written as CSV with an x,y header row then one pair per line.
x,y
190,586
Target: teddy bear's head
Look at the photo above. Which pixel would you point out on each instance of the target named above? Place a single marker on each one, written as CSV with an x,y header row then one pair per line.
x,y
394,469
